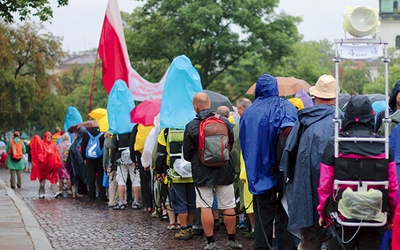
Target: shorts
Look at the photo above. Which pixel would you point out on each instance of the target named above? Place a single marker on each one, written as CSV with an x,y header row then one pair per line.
x,y
183,197
122,175
225,196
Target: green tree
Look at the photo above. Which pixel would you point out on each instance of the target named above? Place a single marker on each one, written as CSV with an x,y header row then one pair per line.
x,y
79,97
355,75
40,8
213,34
28,55
308,61
378,85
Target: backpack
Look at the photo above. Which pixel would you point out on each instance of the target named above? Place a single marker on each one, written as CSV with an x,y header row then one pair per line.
x,y
280,147
214,144
93,149
16,150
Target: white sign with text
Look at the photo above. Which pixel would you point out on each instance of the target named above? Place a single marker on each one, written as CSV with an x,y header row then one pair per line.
x,y
360,51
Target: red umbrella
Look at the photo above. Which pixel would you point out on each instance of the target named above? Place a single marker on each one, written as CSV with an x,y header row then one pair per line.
x,y
145,112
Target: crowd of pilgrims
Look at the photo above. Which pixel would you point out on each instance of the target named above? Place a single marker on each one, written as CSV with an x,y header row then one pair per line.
x,y
281,191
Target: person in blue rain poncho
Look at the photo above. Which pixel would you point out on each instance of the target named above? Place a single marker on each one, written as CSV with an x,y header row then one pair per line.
x,y
259,127
300,163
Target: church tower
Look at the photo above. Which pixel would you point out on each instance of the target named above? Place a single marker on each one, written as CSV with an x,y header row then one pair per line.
x,y
390,22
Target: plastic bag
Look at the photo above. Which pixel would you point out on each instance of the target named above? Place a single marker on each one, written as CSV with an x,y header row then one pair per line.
x,y
361,205
105,180
183,168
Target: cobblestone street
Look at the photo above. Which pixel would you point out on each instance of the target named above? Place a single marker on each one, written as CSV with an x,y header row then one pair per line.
x,y
81,224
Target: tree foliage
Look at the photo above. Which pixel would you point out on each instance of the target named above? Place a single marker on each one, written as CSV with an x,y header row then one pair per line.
x,y
355,75
213,34
39,8
26,84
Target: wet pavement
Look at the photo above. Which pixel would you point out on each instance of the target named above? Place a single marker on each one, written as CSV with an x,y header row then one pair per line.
x,y
82,224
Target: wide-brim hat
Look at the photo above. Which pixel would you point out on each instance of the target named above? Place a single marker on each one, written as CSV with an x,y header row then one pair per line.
x,y
325,87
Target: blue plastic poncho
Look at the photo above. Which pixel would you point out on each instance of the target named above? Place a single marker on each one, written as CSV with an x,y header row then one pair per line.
x,y
120,103
72,117
182,83
259,127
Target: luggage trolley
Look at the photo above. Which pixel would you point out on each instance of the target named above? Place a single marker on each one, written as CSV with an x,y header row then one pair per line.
x,y
357,48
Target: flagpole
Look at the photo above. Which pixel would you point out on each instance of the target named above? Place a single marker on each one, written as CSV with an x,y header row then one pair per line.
x,y
91,92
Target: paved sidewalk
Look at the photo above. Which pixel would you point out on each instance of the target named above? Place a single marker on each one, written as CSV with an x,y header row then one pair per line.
x,y
19,230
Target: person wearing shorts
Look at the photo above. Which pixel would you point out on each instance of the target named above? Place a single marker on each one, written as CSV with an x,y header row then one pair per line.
x,y
207,178
122,176
120,157
181,191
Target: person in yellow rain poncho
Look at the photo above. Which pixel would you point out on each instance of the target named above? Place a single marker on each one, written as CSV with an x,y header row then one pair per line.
x,y
248,197
138,137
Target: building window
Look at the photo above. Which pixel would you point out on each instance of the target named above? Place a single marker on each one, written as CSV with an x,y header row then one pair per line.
x,y
397,42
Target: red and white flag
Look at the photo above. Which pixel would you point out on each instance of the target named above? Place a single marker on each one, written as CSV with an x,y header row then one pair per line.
x,y
116,64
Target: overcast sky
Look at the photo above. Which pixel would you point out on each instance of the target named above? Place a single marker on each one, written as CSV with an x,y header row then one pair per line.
x,y
80,22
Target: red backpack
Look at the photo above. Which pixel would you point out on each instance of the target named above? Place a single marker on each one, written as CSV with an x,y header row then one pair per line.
x,y
16,150
214,144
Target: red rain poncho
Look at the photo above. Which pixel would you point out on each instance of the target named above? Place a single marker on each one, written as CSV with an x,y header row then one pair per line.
x,y
46,159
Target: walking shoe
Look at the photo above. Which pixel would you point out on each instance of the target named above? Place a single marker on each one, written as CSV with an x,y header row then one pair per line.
x,y
211,246
58,194
241,225
41,196
233,245
248,235
154,214
184,234
136,206
119,207
190,232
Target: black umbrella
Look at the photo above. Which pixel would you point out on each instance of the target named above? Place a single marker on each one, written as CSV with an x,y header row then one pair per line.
x,y
218,100
344,99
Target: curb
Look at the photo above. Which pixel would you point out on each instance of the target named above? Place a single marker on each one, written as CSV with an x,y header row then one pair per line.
x,y
32,226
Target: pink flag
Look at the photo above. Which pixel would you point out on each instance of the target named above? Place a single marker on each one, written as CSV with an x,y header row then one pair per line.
x,y
116,65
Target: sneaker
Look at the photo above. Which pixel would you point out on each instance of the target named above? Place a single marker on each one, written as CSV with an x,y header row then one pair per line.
x,y
248,235
184,234
56,195
154,214
41,196
241,225
211,246
119,207
164,217
136,206
233,245
190,232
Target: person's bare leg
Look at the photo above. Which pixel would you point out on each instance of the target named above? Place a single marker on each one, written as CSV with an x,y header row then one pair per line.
x,y
230,221
207,220
137,194
121,193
